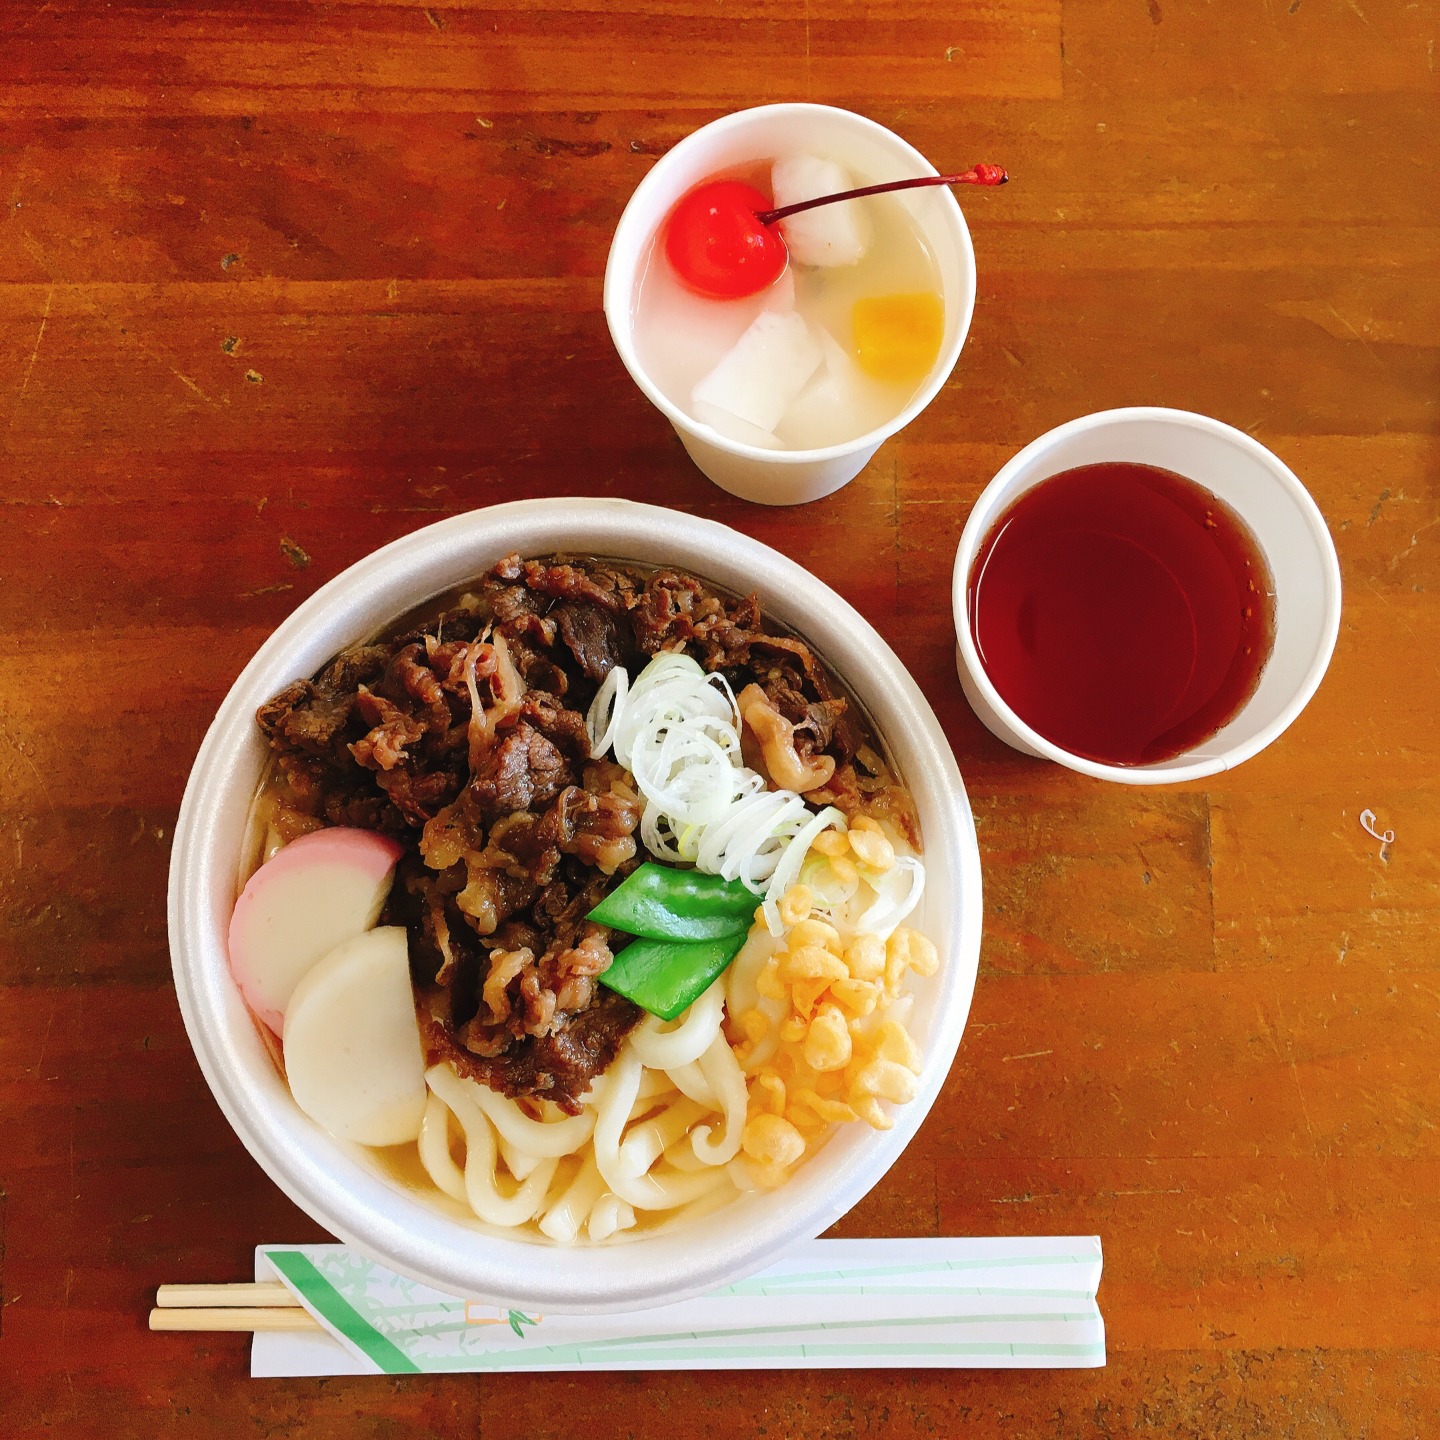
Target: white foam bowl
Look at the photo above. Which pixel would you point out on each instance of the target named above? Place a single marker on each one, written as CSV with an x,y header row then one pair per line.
x,y
1262,490
341,1185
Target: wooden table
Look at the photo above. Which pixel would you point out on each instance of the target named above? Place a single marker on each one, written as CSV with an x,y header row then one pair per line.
x,y
281,282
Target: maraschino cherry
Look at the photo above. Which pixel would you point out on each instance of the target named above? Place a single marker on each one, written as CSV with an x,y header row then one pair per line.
x,y
718,246
722,238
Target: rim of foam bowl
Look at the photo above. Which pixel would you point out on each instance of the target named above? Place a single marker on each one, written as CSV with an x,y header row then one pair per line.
x,y
999,494
620,286
334,1182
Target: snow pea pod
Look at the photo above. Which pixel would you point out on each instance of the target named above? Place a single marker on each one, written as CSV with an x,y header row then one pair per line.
x,y
666,976
660,902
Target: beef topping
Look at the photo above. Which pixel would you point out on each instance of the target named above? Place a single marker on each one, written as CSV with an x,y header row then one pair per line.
x,y
513,831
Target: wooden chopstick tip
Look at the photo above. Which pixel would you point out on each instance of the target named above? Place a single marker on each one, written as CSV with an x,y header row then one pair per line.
x,y
243,1307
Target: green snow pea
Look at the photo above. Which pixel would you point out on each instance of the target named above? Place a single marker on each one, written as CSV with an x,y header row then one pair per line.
x,y
662,903
691,926
665,976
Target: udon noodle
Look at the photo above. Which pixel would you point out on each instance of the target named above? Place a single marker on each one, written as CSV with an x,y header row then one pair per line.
x,y
589,1174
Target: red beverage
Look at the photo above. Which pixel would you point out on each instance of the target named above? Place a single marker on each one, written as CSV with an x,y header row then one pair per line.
x,y
1122,611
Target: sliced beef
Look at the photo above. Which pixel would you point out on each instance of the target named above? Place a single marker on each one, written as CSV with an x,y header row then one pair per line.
x,y
419,795
599,829
523,769
519,612
559,1066
411,674
391,734
607,586
536,668
562,727
312,715
592,636
671,608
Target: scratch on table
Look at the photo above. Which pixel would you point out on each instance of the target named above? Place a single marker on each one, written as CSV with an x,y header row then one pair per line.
x,y
1414,541
295,553
1380,594
189,384
38,255
25,382
1267,1033
1369,349
45,1039
1289,1058
16,745
1029,1055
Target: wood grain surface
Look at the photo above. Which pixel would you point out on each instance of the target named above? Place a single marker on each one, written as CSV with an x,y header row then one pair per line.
x,y
280,282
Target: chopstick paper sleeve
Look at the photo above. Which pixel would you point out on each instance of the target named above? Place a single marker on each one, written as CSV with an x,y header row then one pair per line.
x,y
1018,1303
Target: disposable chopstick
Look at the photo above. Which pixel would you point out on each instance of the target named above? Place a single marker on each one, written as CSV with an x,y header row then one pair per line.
x,y
190,1297
230,1317
240,1307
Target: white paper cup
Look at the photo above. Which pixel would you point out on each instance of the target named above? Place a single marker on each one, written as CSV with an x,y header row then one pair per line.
x,y
342,1186
1262,491
788,477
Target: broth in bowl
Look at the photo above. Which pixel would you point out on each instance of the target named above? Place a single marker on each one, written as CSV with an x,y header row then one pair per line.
x,y
627,877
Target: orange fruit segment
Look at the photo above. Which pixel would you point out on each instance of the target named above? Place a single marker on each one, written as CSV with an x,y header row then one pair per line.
x,y
898,337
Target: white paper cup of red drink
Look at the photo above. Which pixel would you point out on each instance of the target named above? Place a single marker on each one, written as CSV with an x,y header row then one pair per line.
x,y
788,477
1266,496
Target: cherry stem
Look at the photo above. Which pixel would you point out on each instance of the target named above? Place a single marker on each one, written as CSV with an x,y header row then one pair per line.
x,y
976,175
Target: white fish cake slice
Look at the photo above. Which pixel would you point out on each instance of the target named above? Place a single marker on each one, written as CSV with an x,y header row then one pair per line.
x,y
352,1042
319,890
